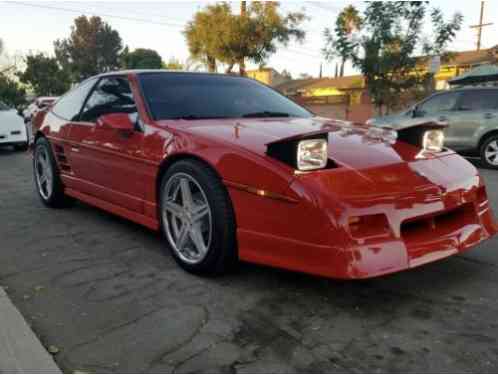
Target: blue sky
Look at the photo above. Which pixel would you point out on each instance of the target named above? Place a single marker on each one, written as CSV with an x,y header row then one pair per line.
x,y
34,25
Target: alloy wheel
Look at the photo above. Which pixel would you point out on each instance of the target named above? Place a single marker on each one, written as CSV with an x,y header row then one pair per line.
x,y
491,153
44,174
187,218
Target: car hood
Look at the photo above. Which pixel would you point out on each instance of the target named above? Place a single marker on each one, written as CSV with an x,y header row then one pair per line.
x,y
350,145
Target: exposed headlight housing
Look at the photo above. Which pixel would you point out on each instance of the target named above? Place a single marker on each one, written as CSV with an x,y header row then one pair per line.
x,y
312,154
433,140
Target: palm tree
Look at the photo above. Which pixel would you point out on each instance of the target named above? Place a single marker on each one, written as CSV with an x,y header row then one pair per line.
x,y
340,41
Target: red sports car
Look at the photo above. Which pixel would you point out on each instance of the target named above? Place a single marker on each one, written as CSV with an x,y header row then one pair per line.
x,y
229,169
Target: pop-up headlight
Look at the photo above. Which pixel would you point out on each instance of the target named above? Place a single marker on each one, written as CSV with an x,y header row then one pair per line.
x,y
312,154
433,140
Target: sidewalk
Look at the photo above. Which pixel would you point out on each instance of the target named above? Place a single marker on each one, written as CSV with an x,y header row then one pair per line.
x,y
20,349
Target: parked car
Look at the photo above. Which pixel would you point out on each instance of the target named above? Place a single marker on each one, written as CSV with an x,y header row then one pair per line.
x,y
472,117
229,169
12,128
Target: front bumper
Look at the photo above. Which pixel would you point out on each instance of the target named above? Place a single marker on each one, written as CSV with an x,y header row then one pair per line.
x,y
428,210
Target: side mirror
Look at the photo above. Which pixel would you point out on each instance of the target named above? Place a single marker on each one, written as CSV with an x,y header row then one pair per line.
x,y
116,121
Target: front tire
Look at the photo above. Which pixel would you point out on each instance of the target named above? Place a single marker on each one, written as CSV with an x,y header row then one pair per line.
x,y
197,218
47,178
23,147
489,152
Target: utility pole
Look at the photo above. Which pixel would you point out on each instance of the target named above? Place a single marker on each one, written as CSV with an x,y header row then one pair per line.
x,y
480,27
243,14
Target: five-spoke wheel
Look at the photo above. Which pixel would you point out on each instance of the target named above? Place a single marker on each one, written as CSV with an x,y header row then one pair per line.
x,y
46,174
197,218
43,173
187,217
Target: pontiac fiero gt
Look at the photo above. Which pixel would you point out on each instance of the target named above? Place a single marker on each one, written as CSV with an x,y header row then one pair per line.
x,y
229,169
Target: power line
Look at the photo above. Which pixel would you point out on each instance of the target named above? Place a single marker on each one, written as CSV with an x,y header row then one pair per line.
x,y
480,27
79,11
314,54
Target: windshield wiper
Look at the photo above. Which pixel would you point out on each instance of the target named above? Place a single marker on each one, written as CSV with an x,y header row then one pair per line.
x,y
266,114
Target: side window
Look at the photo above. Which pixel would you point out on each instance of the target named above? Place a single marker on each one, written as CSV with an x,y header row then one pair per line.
x,y
69,106
111,95
439,103
479,100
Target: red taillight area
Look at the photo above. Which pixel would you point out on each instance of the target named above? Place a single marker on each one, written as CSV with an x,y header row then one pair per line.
x,y
369,226
482,196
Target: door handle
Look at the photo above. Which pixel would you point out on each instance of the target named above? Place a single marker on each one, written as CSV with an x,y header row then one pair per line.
x,y
488,116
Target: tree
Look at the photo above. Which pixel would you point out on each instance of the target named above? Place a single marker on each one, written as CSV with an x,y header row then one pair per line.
x,y
305,76
286,74
388,52
339,43
9,64
11,92
141,58
216,34
93,47
204,32
44,74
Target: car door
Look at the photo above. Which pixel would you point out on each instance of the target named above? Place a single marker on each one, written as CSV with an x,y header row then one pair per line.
x,y
441,107
109,162
477,111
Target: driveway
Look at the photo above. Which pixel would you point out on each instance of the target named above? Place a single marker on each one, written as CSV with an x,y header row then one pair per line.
x,y
103,293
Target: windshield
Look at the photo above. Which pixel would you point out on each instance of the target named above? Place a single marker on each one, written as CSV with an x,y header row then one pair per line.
x,y
209,96
4,107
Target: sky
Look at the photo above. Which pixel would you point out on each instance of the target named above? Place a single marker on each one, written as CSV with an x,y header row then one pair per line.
x,y
34,25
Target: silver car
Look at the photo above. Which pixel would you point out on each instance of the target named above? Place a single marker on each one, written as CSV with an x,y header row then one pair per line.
x,y
472,116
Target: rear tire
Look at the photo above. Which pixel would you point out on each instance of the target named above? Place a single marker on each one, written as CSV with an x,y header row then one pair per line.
x,y
47,178
489,152
197,219
23,147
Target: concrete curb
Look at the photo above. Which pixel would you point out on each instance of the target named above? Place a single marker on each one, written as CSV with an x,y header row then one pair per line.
x,y
20,349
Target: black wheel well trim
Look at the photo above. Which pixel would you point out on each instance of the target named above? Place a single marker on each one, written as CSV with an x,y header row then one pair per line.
x,y
170,160
39,134
485,136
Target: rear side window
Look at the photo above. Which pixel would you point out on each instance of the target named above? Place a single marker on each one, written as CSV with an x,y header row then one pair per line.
x,y
479,100
69,106
439,103
111,95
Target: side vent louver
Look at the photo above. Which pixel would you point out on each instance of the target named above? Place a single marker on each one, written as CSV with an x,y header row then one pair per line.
x,y
62,159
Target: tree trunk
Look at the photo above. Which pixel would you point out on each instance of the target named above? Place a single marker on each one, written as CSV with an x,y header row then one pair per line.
x,y
211,63
343,62
229,68
242,62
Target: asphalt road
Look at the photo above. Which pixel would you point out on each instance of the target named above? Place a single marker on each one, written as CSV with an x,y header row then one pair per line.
x,y
103,293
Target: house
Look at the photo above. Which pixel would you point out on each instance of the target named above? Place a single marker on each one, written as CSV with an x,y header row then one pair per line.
x,y
354,86
268,76
460,62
